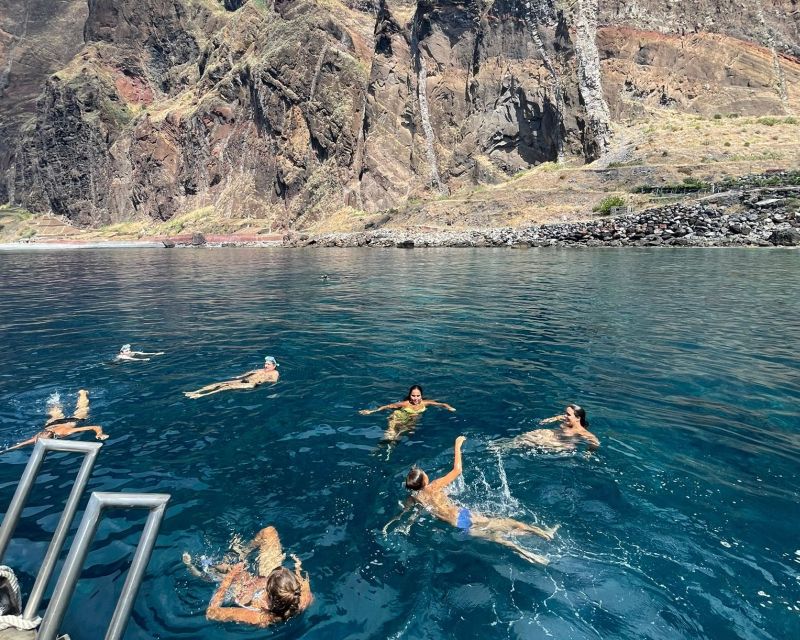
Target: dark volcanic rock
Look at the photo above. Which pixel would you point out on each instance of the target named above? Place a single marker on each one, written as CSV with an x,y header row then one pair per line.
x,y
785,237
650,228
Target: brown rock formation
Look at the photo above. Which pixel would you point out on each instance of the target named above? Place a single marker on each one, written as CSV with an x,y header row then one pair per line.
x,y
290,110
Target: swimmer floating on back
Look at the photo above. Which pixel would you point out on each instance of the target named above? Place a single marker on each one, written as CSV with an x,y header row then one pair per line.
x,y
405,414
57,426
573,429
273,595
249,380
431,495
125,353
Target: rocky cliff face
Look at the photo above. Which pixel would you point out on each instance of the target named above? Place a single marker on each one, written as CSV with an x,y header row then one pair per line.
x,y
291,109
37,37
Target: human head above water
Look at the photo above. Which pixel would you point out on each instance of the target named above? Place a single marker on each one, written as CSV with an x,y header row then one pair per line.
x,y
411,392
416,479
283,588
125,348
270,360
580,413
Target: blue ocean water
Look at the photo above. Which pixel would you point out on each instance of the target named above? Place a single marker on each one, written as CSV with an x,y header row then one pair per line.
x,y
683,525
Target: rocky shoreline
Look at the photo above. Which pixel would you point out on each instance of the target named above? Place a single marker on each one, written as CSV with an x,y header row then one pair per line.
x,y
751,217
764,217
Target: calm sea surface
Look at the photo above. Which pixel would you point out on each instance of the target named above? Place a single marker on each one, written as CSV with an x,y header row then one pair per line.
x,y
683,525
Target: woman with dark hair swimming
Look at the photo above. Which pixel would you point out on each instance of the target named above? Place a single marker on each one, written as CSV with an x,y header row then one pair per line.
x,y
405,414
573,428
431,495
273,595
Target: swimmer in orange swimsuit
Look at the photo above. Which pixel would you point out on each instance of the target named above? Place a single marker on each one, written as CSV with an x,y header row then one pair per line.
x,y
58,426
430,495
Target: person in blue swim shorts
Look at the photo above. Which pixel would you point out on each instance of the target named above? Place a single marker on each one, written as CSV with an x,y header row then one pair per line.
x,y
431,495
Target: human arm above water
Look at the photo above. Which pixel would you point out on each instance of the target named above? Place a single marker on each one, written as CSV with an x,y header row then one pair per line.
x,y
407,506
306,597
19,445
436,403
393,405
557,418
591,440
445,480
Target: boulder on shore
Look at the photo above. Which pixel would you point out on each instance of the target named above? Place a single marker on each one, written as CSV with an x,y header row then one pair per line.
x,y
785,237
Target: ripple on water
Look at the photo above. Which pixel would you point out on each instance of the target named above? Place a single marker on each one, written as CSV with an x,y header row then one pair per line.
x,y
685,361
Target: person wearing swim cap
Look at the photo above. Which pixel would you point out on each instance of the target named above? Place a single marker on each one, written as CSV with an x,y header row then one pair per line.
x,y
58,426
404,417
249,380
431,495
573,429
272,595
125,353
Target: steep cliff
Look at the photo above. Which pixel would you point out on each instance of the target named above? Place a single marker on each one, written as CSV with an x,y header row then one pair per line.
x,y
37,37
291,110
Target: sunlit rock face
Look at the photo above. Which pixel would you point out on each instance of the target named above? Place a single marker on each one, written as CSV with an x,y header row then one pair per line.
x,y
291,109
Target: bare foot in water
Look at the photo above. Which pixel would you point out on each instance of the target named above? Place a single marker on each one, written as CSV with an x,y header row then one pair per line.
x,y
530,556
551,532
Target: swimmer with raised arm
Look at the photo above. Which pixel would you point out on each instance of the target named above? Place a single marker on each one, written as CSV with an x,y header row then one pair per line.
x,y
58,426
431,495
406,412
125,353
572,430
272,595
249,380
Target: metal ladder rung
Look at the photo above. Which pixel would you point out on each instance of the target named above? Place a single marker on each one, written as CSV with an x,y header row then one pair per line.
x,y
98,502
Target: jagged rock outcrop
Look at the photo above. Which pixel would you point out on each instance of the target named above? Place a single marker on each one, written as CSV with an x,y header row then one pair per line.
x,y
292,109
37,37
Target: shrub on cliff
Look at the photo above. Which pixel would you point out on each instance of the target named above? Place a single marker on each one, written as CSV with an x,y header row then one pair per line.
x,y
604,208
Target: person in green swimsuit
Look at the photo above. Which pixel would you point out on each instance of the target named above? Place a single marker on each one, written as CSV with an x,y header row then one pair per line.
x,y
404,417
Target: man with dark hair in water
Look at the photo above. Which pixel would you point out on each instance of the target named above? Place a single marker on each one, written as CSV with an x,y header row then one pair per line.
x,y
431,495
57,426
